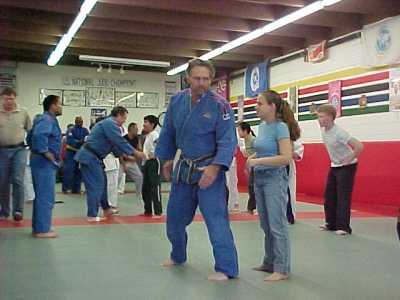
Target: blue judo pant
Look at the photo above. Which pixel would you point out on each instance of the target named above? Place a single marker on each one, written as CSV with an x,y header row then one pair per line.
x,y
183,201
44,181
72,178
95,181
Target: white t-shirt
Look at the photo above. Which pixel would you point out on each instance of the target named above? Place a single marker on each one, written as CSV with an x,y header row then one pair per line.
x,y
336,141
150,143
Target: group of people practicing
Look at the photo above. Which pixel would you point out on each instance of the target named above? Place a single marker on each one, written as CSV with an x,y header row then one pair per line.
x,y
143,172
197,144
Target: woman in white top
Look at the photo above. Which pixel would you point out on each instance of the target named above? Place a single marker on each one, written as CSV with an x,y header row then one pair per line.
x,y
298,151
151,190
343,150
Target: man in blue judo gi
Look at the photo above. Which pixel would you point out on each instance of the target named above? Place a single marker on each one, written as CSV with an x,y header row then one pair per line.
x,y
72,178
44,141
201,125
105,137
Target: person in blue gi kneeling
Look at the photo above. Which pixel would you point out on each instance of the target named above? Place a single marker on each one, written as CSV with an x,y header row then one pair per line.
x,y
44,141
201,125
105,137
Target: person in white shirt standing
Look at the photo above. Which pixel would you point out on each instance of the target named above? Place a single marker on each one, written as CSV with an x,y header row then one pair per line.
x,y
111,164
151,190
343,150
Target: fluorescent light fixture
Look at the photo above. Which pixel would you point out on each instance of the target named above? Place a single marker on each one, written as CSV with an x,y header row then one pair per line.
x,y
330,2
66,39
125,61
290,18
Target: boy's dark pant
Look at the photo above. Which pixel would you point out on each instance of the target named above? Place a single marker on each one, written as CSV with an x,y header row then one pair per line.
x,y
151,190
251,204
339,187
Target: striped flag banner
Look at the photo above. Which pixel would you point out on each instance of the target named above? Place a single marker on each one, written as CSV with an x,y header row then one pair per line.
x,y
335,96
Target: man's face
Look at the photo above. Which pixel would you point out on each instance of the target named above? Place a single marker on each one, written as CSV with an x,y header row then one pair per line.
x,y
79,121
121,118
133,130
199,80
9,102
58,107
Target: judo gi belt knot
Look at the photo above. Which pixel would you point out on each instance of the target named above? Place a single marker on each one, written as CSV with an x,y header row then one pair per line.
x,y
91,150
192,165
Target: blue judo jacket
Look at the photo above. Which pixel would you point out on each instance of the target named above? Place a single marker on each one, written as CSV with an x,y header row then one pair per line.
x,y
206,129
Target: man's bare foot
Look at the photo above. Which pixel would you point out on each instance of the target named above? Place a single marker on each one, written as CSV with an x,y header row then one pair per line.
x,y
276,277
217,276
168,263
45,235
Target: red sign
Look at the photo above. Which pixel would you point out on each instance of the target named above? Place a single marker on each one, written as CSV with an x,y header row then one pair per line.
x,y
335,96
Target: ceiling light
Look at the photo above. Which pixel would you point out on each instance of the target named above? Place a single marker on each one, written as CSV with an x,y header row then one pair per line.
x,y
66,39
279,23
125,61
122,71
100,68
109,69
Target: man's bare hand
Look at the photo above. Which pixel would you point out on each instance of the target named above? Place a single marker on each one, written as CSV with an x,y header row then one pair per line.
x,y
209,175
167,169
49,156
139,155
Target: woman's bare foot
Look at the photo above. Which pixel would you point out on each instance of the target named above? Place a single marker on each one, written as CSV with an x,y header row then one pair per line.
x,y
276,277
217,276
168,263
95,219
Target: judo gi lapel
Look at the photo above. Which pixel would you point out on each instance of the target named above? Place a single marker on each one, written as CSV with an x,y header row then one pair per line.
x,y
190,117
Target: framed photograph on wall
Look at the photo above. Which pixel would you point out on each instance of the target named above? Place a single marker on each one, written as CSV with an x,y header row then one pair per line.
x,y
43,93
100,96
74,98
147,100
125,99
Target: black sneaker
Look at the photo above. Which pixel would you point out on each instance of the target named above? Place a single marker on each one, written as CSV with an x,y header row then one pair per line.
x,y
18,217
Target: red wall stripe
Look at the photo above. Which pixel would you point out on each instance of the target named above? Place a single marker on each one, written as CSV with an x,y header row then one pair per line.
x,y
365,79
377,180
314,89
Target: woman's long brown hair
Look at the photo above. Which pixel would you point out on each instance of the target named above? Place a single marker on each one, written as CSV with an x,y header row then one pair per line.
x,y
283,112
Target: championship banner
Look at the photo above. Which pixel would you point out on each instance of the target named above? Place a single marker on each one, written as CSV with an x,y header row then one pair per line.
x,y
394,85
335,96
316,53
256,80
380,42
222,87
96,113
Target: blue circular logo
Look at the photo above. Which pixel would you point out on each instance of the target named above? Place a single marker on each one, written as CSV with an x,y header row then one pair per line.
x,y
383,40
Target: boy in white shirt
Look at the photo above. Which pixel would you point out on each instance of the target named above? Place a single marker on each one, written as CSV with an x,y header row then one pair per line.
x,y
343,150
112,165
151,190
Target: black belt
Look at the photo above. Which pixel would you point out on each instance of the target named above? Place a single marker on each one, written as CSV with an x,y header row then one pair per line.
x,y
192,166
13,146
91,150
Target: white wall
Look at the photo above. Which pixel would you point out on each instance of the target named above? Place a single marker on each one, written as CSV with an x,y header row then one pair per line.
x,y
340,57
31,77
370,127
